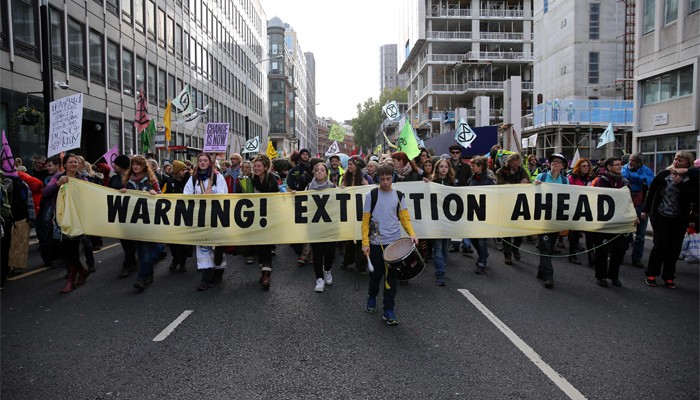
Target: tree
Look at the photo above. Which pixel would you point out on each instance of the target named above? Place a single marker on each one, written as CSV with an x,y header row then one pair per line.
x,y
370,117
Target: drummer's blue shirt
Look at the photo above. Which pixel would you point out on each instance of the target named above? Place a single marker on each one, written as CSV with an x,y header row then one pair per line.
x,y
384,217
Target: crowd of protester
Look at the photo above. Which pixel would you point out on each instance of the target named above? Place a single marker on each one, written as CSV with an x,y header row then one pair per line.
x,y
669,200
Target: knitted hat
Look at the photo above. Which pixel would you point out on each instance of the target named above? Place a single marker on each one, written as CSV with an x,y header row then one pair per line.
x,y
302,151
122,162
178,166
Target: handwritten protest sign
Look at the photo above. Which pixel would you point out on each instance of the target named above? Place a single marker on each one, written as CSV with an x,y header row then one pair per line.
x,y
216,139
65,128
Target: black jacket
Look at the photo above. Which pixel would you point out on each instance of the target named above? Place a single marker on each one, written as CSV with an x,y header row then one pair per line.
x,y
688,193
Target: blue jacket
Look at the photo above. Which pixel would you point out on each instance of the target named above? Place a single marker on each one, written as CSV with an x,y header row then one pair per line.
x,y
638,179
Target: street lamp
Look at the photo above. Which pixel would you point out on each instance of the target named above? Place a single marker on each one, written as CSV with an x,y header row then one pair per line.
x,y
247,87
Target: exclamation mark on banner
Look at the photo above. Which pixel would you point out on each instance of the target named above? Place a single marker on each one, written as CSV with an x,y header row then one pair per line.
x,y
263,212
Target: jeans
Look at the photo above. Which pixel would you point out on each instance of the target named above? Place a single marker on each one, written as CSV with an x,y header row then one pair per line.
x,y
482,250
668,240
638,246
466,243
440,247
546,247
376,255
145,251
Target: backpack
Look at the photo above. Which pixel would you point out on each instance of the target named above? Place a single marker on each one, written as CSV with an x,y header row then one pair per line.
x,y
561,177
374,194
5,207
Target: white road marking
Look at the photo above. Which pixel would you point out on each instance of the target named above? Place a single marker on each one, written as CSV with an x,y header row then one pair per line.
x,y
26,274
170,328
106,247
559,380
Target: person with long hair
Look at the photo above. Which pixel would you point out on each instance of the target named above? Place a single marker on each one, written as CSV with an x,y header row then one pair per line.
x,y
405,170
443,175
354,176
205,180
512,173
70,246
175,185
140,177
482,176
428,169
669,205
323,253
581,175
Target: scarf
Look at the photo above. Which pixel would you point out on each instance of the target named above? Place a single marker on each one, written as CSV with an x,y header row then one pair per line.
x,y
204,175
314,185
137,177
403,172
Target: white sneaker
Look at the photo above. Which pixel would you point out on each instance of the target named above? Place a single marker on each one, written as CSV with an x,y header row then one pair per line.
x,y
320,284
328,277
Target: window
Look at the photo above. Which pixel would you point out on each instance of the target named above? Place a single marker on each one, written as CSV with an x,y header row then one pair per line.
x,y
113,77
594,21
670,11
593,67
3,27
162,94
114,131
129,143
151,19
76,48
170,34
178,41
694,5
97,71
649,15
186,47
128,72
171,85
113,6
140,73
24,28
668,86
161,28
58,52
152,91
138,15
126,11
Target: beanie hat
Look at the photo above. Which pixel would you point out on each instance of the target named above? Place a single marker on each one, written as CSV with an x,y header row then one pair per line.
x,y
302,151
122,162
178,166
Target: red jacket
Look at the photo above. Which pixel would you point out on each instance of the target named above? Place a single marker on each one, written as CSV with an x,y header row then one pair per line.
x,y
36,186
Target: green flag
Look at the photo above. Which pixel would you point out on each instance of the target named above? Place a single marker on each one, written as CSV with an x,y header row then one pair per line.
x,y
407,142
337,133
146,136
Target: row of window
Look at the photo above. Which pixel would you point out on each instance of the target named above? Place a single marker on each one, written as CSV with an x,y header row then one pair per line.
x,y
668,86
670,12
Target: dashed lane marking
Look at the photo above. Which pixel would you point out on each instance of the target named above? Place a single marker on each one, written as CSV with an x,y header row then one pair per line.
x,y
558,380
170,328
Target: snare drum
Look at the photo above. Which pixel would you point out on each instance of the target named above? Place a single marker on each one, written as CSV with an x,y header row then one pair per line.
x,y
403,256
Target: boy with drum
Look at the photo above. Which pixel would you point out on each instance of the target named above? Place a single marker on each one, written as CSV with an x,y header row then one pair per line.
x,y
380,228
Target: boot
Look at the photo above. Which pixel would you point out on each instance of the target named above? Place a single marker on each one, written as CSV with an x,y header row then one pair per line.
x,y
218,275
82,276
265,279
207,278
72,272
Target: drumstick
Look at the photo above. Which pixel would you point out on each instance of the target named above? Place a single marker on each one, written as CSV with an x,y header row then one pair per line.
x,y
370,267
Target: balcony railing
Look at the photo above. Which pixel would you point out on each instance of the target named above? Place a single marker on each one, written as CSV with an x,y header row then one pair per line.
x,y
501,36
498,13
583,112
475,85
449,35
499,55
438,11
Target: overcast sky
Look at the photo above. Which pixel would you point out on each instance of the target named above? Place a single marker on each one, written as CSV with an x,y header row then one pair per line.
x,y
345,37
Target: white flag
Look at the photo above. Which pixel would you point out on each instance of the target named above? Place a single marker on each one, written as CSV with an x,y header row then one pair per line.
x,y
333,149
524,143
183,102
532,141
577,156
191,121
464,135
252,146
607,136
391,110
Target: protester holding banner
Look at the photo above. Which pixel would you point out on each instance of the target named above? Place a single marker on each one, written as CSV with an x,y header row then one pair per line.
x,y
512,173
141,177
323,253
428,170
444,175
70,246
462,174
581,175
482,176
380,228
610,244
669,206
175,185
120,165
206,180
546,242
44,225
405,170
23,217
264,182
233,172
354,176
640,177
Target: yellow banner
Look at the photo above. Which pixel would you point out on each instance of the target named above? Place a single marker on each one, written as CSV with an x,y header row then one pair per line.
x,y
335,214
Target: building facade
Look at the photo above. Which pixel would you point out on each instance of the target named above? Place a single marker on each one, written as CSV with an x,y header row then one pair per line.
x,y
389,76
667,81
456,51
109,50
580,77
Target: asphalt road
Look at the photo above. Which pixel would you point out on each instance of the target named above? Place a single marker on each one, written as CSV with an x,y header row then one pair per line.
x,y
517,340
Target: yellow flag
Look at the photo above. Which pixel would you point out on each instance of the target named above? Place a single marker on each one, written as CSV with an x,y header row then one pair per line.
x,y
378,150
167,121
271,152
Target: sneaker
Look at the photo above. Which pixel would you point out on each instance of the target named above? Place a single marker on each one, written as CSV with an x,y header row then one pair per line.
x,y
328,277
549,284
670,283
371,306
651,281
616,283
508,260
301,261
140,285
480,269
440,280
249,260
320,285
602,282
467,250
390,317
